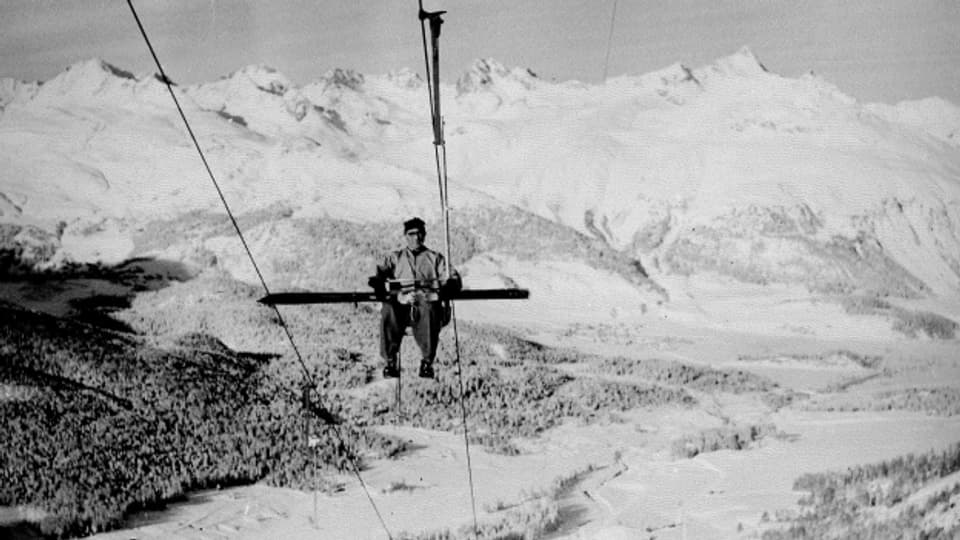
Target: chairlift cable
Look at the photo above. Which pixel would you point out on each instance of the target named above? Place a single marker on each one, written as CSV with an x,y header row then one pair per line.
x,y
436,119
440,156
606,60
426,57
463,414
323,413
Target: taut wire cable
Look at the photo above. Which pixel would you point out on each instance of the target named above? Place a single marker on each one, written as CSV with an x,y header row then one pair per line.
x,y
440,156
322,413
606,60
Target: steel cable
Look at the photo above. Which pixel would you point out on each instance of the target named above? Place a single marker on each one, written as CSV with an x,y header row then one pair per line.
x,y
440,156
322,412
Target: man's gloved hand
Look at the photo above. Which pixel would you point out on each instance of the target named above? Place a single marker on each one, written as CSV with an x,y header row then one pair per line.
x,y
378,285
450,286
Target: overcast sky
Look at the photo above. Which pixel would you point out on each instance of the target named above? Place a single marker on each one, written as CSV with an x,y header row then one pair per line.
x,y
874,50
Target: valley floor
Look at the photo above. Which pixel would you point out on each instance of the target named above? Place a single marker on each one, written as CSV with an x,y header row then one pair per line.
x,y
623,479
639,491
854,392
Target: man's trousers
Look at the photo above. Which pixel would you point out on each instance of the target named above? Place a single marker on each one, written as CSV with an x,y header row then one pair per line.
x,y
425,318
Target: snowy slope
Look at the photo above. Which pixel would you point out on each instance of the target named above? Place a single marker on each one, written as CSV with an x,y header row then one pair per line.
x,y
723,169
933,115
97,151
15,90
727,168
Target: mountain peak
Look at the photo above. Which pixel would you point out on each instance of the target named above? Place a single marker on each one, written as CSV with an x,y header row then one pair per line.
x,y
742,63
92,77
264,77
95,67
405,78
488,67
343,78
675,74
486,73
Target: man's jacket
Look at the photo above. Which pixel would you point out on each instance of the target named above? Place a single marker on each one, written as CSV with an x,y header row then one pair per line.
x,y
420,274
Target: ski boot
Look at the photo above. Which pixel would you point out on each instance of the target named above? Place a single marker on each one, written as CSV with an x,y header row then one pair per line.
x,y
392,369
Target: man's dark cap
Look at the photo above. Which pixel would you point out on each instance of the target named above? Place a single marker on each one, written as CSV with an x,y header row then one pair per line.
x,y
414,224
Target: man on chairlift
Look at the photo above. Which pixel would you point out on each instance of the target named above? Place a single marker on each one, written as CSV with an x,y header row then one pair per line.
x,y
415,282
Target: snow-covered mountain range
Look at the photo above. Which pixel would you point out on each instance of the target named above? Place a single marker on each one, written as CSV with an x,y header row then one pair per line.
x,y
724,169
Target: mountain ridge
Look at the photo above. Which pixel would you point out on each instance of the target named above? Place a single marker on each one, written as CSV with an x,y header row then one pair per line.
x,y
724,168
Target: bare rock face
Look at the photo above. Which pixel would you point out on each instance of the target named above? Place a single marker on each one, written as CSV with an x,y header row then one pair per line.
x,y
768,245
25,248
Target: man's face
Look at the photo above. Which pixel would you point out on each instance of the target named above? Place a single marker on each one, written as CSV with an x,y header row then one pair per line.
x,y
415,239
